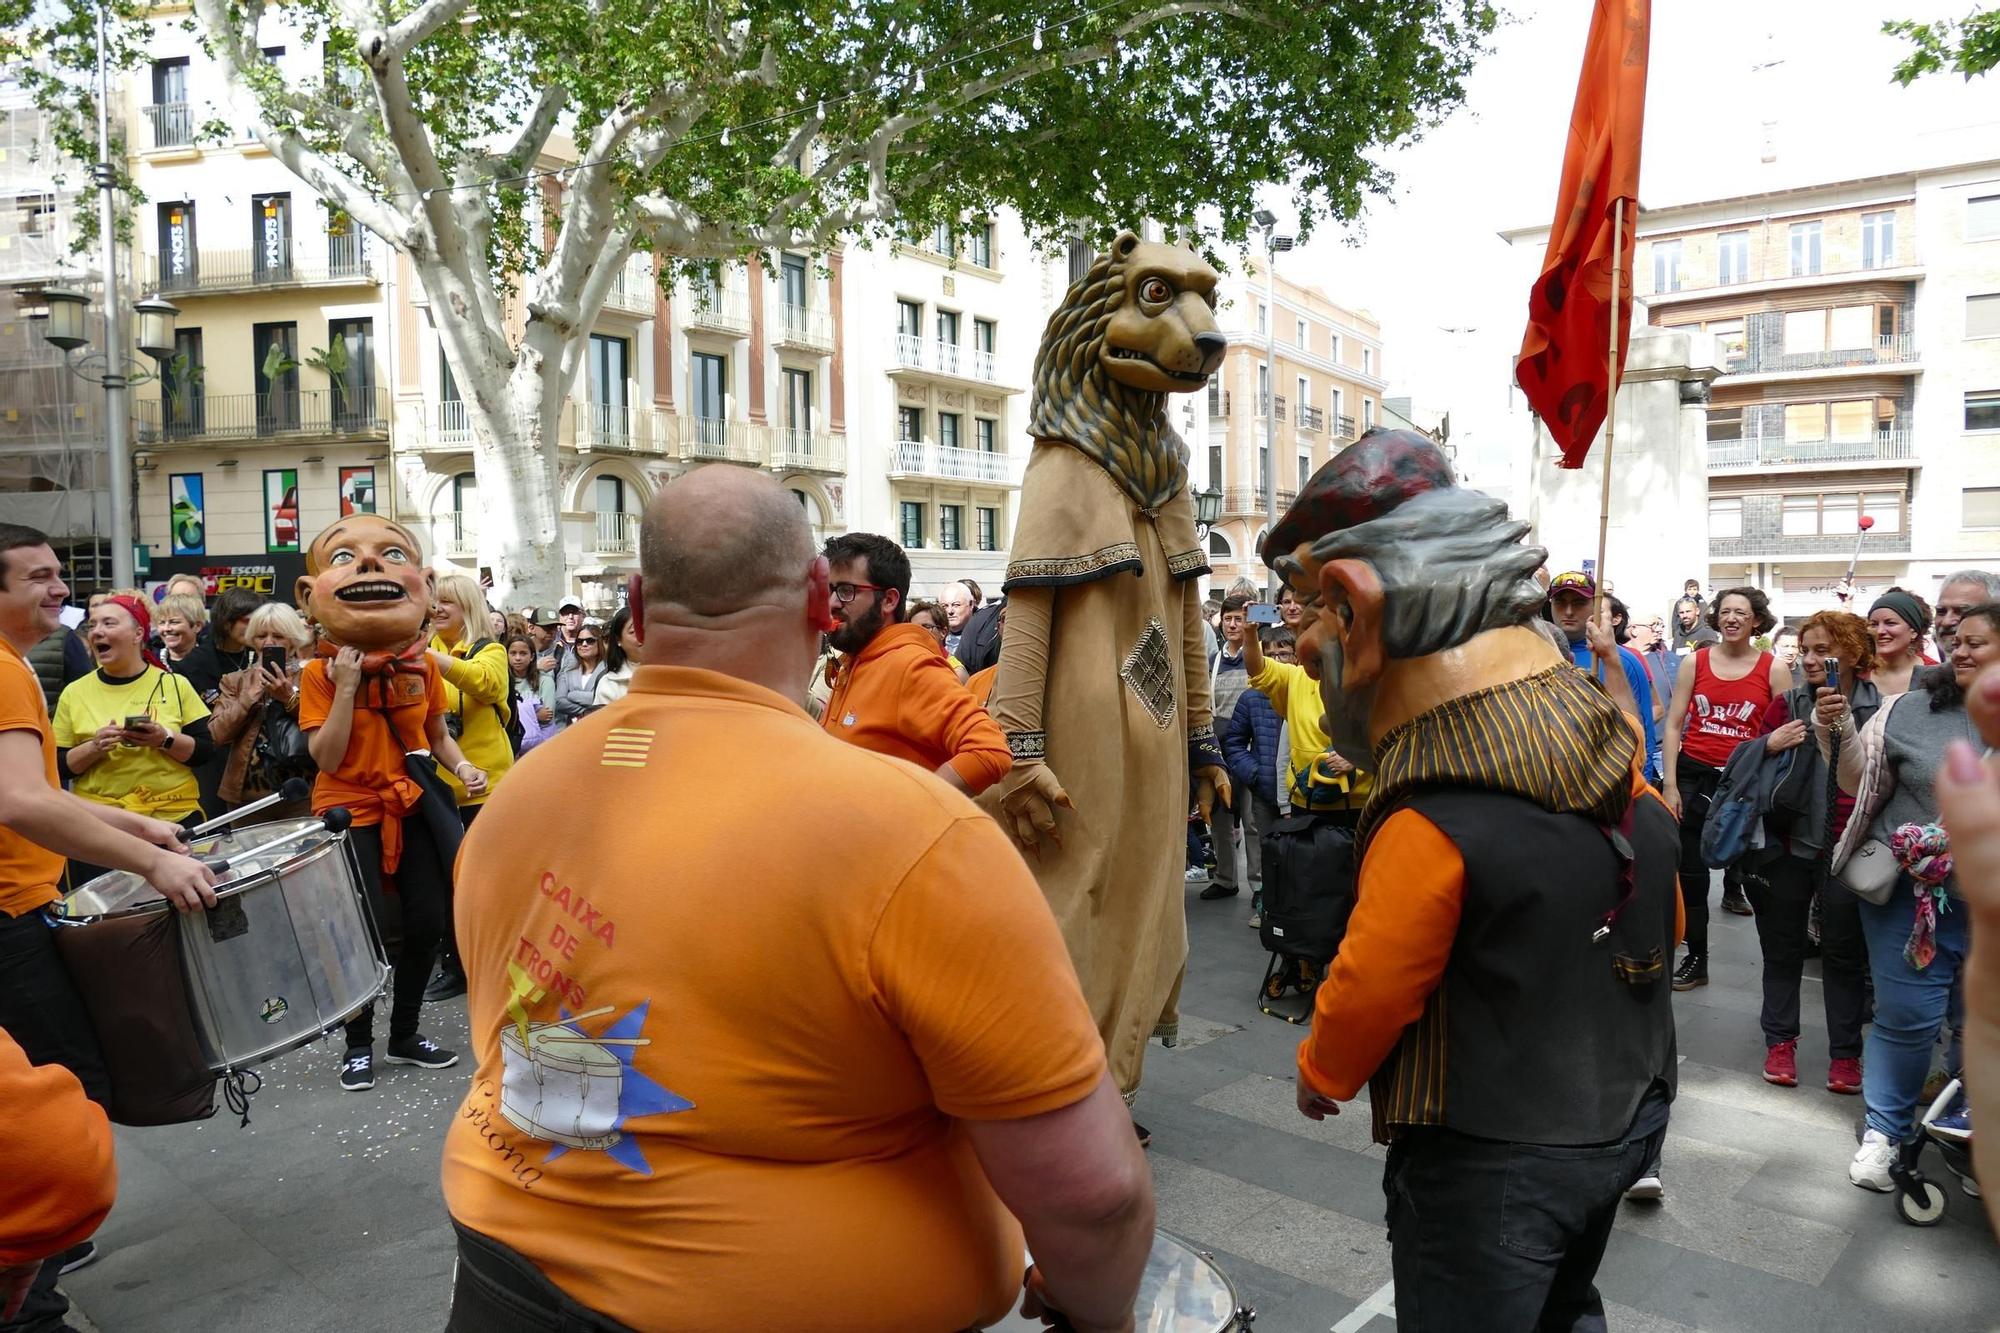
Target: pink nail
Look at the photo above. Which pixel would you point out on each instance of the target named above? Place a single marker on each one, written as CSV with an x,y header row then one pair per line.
x,y
1962,762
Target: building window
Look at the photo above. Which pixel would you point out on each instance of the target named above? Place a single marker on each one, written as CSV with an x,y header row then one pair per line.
x,y
1333,346
985,431
948,436
1886,508
947,327
1218,545
271,228
1725,518
1368,361
1730,346
276,347
798,406
710,389
910,319
1080,260
1835,515
1982,507
1305,469
1982,217
1215,465
989,527
1666,266
1263,318
1263,467
1801,515
1982,410
950,519
793,271
982,245
1305,335
912,514
172,126
1878,240
1725,424
985,335
1732,257
610,496
1264,388
1367,415
1305,395
941,239
1982,316
1805,248
910,423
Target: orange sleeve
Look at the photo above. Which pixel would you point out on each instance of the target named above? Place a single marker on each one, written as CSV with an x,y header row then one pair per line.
x,y
1398,942
937,710
58,1176
315,695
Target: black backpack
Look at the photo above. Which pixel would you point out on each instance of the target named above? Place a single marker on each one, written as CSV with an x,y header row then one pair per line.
x,y
1309,887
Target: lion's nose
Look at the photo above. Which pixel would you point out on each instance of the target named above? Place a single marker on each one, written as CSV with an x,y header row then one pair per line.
x,y
1210,344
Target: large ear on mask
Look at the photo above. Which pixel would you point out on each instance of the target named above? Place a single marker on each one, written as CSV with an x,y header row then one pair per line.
x,y
302,594
1355,583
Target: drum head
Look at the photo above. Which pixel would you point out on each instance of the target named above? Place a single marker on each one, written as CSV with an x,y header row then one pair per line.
x,y
122,892
1181,1292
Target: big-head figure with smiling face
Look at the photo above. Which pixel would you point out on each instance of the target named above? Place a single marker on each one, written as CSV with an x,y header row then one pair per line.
x,y
366,586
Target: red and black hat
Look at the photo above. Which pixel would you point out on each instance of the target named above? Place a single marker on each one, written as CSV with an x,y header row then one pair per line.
x,y
1370,478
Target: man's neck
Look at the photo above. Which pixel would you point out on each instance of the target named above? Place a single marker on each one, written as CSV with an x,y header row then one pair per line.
x,y
1414,686
22,634
1232,649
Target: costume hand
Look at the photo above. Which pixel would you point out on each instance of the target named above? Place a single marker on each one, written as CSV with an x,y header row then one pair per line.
x,y
1313,1106
346,670
1211,785
15,1279
1831,708
1035,1304
1788,737
1028,797
1670,792
182,881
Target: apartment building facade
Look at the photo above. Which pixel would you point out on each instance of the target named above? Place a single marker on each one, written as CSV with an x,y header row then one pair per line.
x,y
1857,326
1328,376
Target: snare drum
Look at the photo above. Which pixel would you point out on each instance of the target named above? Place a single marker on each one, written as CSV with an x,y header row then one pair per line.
x,y
287,954
1182,1292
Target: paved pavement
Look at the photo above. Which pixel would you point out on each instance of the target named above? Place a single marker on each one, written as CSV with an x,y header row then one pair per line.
x,y
325,1215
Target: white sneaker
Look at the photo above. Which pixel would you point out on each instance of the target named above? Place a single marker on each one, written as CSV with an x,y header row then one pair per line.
x,y
1646,1189
1870,1167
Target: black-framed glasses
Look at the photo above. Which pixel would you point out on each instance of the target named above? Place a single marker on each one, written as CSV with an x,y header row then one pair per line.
x,y
846,592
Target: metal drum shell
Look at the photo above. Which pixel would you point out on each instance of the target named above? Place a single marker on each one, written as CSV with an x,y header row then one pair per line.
x,y
1182,1292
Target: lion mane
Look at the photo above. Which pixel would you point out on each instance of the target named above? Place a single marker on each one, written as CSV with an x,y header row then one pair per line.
x,y
1123,429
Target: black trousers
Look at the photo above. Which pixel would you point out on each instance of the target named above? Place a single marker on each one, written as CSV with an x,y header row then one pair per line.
x,y
1503,1237
448,960
497,1290
423,886
1697,783
1781,893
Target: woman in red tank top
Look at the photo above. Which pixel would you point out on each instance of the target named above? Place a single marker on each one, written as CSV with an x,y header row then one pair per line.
x,y
1719,702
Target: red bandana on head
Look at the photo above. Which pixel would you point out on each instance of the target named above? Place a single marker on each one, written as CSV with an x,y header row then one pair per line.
x,y
144,619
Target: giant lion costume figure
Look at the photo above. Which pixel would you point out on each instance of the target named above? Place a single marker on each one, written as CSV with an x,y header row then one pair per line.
x,y
1103,686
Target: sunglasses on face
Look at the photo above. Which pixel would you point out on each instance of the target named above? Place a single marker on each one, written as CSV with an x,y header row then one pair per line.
x,y
581,639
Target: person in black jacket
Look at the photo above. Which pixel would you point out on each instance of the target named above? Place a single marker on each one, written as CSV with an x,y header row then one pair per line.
x,y
979,641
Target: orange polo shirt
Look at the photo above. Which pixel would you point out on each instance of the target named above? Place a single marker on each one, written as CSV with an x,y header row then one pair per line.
x,y
57,1173
752,1125
899,696
28,871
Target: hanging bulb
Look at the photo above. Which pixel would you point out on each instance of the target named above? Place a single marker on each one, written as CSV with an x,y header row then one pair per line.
x,y
725,136
918,86
819,110
1038,39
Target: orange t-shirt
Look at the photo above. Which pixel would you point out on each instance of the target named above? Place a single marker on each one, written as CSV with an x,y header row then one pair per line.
x,y
28,871
58,1176
899,696
702,1123
377,741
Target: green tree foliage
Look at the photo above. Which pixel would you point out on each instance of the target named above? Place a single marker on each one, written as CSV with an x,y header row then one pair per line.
x,y
529,150
1970,45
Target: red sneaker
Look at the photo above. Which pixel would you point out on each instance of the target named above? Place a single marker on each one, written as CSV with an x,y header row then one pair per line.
x,y
1844,1076
1781,1064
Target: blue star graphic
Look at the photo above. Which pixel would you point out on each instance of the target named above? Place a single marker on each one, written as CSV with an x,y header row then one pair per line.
x,y
638,1095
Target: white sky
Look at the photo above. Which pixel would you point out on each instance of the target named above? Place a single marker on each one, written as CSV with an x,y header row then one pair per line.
x,y
1428,259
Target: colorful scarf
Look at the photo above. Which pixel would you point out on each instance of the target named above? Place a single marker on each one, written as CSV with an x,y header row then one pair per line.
x,y
383,665
1924,850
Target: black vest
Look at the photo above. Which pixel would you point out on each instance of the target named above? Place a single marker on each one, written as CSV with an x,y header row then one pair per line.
x,y
1534,1036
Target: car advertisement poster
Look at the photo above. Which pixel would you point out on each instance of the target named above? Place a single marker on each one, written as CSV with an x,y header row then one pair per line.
x,y
357,491
281,511
186,515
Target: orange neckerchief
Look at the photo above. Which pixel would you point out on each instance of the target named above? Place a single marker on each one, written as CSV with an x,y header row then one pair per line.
x,y
383,664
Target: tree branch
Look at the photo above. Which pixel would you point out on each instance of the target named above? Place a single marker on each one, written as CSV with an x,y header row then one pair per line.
x,y
421,22
535,131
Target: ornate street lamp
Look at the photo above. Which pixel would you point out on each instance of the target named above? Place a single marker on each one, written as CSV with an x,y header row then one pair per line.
x,y
1207,509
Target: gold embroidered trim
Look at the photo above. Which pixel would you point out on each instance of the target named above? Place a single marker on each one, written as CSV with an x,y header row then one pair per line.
x,y
1149,673
1028,744
1187,564
1074,569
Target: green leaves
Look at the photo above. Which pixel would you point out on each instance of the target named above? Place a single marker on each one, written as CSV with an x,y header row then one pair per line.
x,y
1970,45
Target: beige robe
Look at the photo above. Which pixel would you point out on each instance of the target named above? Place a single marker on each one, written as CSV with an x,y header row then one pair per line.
x,y
1102,655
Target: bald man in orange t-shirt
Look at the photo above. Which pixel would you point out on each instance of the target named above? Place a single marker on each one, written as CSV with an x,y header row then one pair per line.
x,y
674,1142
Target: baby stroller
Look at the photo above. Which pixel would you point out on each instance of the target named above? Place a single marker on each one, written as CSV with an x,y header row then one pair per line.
x,y
1919,1200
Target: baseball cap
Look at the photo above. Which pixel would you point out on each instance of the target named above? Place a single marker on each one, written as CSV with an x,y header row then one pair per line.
x,y
569,604
545,618
1575,582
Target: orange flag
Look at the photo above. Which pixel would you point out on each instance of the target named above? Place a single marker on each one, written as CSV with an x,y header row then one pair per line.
x,y
1562,367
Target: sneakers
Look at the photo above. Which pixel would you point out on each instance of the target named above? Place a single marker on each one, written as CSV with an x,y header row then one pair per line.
x,y
1870,1167
1256,910
1781,1064
444,986
1734,901
1214,891
77,1256
1844,1076
1646,1189
420,1050
1957,1125
1195,874
1693,972
357,1070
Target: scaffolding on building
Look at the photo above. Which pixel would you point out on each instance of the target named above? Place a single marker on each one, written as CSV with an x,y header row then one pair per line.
x,y
53,451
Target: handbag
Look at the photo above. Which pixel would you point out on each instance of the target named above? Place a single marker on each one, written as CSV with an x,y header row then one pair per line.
x,y
282,749
1871,872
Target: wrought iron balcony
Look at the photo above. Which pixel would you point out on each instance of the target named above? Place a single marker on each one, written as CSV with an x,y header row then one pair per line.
x,y
806,328
723,310
929,460
633,290
456,536
617,533
294,415
795,450
1244,501
170,125
1312,418
1887,445
338,261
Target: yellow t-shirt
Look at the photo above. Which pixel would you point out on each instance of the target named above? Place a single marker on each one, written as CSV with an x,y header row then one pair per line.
x,y
698,1129
1296,697
141,779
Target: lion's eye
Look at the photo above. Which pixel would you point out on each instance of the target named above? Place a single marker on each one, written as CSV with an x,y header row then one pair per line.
x,y
1156,290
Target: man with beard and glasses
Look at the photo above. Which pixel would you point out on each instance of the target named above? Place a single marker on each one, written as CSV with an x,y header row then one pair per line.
x,y
1502,987
893,691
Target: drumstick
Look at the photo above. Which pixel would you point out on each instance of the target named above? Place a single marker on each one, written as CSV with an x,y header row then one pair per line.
x,y
598,1041
576,1018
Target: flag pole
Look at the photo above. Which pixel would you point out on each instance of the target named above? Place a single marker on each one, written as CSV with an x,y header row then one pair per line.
x,y
1611,409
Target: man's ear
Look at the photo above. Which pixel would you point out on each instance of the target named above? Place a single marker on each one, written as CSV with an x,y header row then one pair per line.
x,y
819,594
1360,620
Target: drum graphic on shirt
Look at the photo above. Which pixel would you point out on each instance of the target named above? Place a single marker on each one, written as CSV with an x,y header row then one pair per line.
x,y
575,1090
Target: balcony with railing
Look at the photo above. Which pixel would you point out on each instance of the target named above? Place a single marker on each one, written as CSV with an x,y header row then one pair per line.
x,y
169,125
930,461
456,536
805,328
437,428
617,534
724,310
933,357
632,289
1887,349
1889,444
1343,428
297,415
1244,501
336,261
796,450
1312,418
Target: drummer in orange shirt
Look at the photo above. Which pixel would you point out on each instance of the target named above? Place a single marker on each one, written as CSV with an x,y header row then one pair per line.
x,y
895,691
658,1134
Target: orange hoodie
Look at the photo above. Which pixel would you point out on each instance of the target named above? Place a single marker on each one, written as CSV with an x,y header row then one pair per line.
x,y
57,1173
899,696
